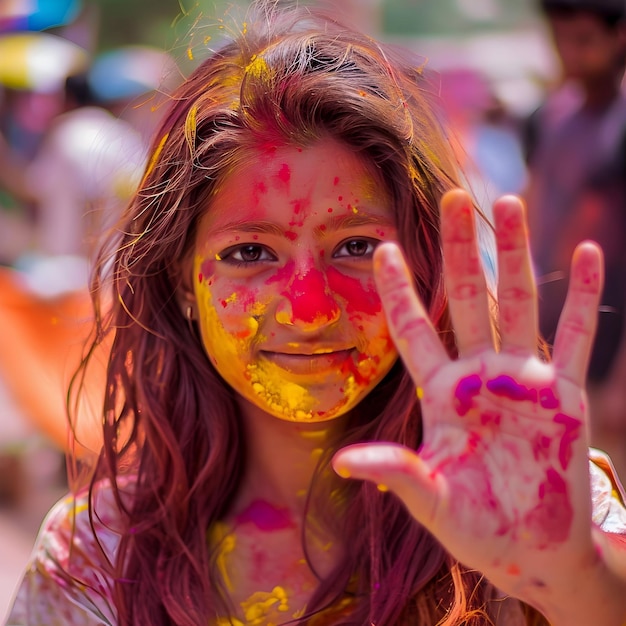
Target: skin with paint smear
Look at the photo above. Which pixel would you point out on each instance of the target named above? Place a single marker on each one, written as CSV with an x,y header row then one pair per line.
x,y
283,279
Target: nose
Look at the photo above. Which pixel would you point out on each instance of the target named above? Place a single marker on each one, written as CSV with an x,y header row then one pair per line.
x,y
308,302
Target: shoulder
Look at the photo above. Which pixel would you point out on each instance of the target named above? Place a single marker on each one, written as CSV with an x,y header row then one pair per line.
x,y
68,572
607,494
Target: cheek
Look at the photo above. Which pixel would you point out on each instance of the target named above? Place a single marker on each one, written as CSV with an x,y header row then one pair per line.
x,y
364,310
362,299
228,312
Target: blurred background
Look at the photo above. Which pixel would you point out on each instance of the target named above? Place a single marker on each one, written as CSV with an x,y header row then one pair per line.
x,y
82,86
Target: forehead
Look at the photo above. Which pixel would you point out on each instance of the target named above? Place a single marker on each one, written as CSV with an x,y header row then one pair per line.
x,y
326,174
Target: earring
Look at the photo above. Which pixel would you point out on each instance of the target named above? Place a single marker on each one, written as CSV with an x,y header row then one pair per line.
x,y
189,313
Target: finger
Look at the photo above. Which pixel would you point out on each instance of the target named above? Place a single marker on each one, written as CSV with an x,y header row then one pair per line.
x,y
464,275
517,293
579,318
396,468
411,330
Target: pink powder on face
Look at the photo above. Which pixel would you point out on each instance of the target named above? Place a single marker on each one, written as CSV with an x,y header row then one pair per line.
x,y
309,298
358,298
283,274
336,181
265,516
206,269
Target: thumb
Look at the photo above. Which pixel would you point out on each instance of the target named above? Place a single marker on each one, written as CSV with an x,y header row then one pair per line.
x,y
396,468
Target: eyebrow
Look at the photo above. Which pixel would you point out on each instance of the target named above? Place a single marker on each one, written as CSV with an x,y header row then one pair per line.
x,y
335,223
340,222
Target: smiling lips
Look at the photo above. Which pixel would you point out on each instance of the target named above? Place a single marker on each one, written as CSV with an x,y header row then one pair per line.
x,y
309,363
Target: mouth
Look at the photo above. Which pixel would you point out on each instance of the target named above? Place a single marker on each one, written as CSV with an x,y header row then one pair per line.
x,y
318,362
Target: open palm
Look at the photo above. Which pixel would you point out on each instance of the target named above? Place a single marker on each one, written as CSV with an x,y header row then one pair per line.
x,y
502,476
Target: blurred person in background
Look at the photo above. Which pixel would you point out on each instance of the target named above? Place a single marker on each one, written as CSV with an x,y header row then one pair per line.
x,y
578,190
484,135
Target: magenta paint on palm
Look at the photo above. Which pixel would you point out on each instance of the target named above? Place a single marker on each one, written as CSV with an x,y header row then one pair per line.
x,y
508,387
266,516
465,391
572,432
547,399
551,519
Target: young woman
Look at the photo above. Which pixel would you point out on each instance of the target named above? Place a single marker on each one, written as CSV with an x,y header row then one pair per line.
x,y
277,295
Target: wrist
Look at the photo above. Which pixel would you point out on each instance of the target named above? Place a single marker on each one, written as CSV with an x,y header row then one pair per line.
x,y
592,594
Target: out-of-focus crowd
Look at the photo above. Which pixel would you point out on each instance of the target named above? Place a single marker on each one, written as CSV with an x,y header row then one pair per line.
x,y
75,130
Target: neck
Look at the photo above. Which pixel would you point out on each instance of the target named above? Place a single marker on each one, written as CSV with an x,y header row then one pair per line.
x,y
281,459
602,91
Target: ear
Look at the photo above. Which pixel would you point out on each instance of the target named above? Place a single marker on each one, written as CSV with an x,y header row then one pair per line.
x,y
185,295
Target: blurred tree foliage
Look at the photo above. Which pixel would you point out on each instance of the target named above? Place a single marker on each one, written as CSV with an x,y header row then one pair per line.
x,y
163,23
168,23
455,17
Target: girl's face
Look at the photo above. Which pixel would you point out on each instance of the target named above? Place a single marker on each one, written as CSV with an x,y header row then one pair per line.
x,y
283,278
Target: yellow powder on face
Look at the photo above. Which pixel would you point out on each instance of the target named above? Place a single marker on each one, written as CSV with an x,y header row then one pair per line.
x,y
283,397
232,298
382,488
420,393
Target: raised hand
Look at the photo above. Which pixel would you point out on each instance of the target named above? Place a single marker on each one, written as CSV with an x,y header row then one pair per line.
x,y
502,476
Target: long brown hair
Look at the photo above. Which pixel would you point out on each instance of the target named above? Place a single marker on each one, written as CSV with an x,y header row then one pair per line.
x,y
292,77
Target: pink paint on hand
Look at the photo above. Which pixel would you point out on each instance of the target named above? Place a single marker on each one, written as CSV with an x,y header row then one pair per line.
x,y
572,432
551,519
466,389
507,387
547,399
266,517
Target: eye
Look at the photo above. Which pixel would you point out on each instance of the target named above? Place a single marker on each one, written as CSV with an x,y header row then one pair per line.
x,y
357,248
247,253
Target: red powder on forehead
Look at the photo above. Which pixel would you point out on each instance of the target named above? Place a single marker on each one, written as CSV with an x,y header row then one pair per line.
x,y
359,299
259,188
336,181
284,173
291,235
